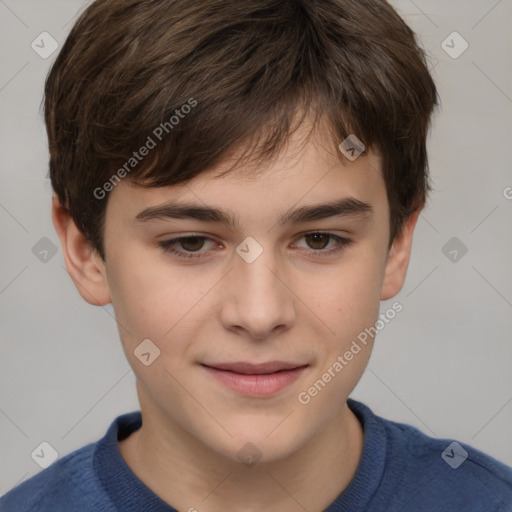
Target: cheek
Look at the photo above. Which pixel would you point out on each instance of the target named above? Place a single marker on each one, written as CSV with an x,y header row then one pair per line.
x,y
348,303
150,298
151,304
347,299
350,309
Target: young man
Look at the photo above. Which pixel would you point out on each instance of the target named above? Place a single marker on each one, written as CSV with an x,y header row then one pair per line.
x,y
242,181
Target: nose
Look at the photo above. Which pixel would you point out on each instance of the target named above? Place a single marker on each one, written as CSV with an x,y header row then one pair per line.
x,y
259,300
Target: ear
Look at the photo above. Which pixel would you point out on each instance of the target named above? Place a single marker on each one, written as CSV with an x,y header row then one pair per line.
x,y
84,264
398,259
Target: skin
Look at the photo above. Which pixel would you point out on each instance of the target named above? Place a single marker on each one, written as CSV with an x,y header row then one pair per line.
x,y
287,305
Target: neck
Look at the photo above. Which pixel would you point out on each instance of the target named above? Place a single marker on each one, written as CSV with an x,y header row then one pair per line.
x,y
188,475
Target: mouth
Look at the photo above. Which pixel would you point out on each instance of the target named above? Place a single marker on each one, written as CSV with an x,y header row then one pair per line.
x,y
257,380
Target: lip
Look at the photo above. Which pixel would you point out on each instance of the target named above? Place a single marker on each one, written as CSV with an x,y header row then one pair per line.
x,y
256,380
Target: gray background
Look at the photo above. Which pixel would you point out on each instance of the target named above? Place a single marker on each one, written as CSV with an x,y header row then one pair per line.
x,y
443,364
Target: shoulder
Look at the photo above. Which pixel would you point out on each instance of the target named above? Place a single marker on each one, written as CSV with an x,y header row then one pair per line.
x,y
68,485
76,482
425,473
445,472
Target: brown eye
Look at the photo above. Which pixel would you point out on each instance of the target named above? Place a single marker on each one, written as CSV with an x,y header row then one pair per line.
x,y
324,244
186,246
192,243
318,241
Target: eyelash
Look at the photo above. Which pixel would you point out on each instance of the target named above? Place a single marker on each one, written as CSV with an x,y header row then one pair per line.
x,y
168,246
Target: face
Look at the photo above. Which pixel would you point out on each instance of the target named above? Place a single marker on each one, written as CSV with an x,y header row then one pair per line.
x,y
248,315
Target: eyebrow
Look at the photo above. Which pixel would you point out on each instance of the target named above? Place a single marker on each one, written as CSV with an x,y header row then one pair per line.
x,y
345,207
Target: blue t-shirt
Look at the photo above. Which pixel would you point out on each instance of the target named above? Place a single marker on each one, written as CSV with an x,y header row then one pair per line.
x,y
401,470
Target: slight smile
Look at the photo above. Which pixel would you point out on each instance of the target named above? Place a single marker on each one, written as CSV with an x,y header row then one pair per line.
x,y
256,380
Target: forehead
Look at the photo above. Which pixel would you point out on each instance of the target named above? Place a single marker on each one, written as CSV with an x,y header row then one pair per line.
x,y
305,172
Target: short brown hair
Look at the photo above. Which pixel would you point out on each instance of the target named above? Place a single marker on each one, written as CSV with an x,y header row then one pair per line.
x,y
248,67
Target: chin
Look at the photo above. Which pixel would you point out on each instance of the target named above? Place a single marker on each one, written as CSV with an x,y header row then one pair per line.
x,y
259,442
